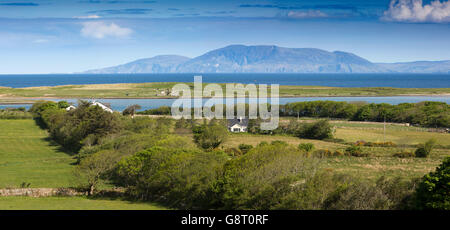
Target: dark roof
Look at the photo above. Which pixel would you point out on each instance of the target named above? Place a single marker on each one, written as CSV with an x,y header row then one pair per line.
x,y
242,122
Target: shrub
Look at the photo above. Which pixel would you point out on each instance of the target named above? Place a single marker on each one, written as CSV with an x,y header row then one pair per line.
x,y
180,178
355,151
424,150
318,130
233,152
245,148
433,191
307,147
256,180
404,154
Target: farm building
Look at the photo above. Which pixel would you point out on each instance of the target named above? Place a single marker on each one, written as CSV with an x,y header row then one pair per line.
x,y
238,125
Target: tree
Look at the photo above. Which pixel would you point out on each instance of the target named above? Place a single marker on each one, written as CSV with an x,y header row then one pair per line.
x,y
131,110
93,168
434,190
210,136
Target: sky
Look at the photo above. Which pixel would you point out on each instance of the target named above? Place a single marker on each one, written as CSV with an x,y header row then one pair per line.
x,y
66,36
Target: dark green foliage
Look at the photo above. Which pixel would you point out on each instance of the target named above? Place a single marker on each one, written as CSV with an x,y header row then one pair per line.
x,y
245,148
320,109
181,178
424,150
82,126
318,130
433,191
210,136
163,110
427,114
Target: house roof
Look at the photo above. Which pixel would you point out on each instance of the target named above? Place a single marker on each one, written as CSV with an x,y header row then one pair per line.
x,y
235,121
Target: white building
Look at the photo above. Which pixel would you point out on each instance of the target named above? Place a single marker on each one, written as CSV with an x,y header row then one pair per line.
x,y
104,107
238,125
71,107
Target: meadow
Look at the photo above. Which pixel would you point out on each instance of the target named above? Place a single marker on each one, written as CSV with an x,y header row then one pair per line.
x,y
154,90
28,155
73,203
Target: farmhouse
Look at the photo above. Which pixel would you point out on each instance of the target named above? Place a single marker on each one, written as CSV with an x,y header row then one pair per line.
x,y
103,106
238,125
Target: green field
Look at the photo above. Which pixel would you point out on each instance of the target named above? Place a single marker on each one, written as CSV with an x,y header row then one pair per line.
x,y
380,162
27,155
153,90
72,203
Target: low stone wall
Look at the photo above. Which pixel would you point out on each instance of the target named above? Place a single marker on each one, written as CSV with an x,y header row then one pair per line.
x,y
39,192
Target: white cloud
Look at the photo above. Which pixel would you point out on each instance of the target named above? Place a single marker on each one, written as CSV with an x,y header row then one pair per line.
x,y
306,14
99,30
87,17
415,11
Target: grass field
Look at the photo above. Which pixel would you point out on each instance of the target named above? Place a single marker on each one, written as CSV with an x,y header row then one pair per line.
x,y
380,161
27,155
72,203
153,90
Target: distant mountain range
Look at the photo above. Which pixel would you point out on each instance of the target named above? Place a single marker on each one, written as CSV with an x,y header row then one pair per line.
x,y
271,59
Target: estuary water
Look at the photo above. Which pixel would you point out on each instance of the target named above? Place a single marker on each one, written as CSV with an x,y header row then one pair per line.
x,y
121,104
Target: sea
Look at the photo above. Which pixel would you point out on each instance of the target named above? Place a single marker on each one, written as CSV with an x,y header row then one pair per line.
x,y
334,80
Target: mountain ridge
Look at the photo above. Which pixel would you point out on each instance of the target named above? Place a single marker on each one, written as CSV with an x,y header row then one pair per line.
x,y
271,59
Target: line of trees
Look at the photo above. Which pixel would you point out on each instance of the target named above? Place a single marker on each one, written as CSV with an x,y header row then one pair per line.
x,y
425,114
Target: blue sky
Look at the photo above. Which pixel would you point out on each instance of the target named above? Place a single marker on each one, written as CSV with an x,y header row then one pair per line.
x,y
63,36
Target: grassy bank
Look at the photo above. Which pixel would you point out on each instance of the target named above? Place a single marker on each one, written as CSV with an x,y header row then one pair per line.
x,y
27,155
154,90
72,203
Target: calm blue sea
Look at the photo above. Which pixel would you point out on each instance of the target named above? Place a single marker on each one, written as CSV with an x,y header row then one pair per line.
x,y
338,80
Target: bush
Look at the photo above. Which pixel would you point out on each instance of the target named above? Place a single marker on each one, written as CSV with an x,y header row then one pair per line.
x,y
245,148
180,178
318,130
404,154
257,181
433,191
424,150
355,151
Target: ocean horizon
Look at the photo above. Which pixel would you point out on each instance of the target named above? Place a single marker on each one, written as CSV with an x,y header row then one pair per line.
x,y
396,80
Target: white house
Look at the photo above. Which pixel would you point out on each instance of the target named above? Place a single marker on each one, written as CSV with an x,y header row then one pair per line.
x,y
104,107
70,108
238,125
